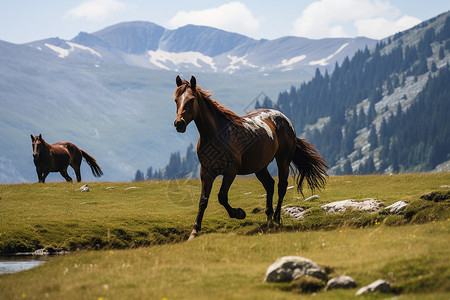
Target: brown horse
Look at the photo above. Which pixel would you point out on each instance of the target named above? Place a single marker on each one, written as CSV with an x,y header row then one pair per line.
x,y
231,145
57,157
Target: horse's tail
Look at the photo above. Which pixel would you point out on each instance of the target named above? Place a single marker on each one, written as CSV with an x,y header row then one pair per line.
x,y
307,163
95,168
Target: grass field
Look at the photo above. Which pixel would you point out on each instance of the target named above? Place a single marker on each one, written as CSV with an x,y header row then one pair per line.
x,y
139,233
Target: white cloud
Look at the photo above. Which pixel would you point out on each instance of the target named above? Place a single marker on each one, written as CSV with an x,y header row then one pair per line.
x,y
379,28
372,18
233,16
95,10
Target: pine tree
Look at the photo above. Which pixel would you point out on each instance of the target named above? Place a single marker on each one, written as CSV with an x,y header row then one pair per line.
x,y
347,168
373,139
139,176
441,53
149,173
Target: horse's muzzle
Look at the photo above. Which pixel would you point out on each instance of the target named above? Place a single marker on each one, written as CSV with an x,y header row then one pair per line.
x,y
180,125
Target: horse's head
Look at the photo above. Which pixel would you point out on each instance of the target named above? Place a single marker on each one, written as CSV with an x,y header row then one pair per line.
x,y
187,104
38,144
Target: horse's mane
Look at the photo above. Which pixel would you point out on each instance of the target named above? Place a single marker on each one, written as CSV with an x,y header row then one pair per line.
x,y
213,104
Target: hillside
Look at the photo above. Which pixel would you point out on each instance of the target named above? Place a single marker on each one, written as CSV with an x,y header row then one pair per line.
x,y
382,111
137,229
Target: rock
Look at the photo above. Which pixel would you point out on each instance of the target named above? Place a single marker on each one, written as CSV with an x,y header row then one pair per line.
x,y
341,206
396,208
257,210
379,285
313,197
436,196
84,188
295,212
289,268
130,188
341,282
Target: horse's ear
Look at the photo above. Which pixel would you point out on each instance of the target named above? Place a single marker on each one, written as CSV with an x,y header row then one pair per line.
x,y
179,81
40,136
193,82
32,137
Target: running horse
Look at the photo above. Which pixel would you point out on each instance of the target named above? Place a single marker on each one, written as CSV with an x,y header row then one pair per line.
x,y
231,145
57,158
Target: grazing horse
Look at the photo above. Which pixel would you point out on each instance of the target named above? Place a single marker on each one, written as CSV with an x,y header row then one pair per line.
x,y
57,157
231,145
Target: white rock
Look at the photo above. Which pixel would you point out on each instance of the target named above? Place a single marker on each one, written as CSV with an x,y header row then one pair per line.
x,y
289,268
397,207
379,285
313,197
345,282
341,206
84,188
295,212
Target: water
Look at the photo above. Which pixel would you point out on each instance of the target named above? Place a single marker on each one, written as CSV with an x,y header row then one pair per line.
x,y
14,264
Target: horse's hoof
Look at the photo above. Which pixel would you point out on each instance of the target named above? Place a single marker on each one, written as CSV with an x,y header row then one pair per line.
x,y
193,235
240,213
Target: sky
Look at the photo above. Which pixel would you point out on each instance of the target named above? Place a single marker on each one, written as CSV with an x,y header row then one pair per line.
x,y
23,21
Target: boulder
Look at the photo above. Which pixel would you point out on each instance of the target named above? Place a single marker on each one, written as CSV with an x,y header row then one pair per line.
x,y
379,285
341,206
289,268
341,282
396,208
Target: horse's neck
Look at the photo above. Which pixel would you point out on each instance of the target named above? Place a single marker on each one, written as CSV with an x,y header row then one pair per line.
x,y
208,120
46,149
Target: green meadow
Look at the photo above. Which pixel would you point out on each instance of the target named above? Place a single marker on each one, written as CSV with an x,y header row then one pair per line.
x,y
128,240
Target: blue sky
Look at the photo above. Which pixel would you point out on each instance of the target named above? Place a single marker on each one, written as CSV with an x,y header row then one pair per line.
x,y
24,21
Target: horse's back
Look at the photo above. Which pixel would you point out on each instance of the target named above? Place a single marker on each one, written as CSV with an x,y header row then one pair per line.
x,y
276,120
69,149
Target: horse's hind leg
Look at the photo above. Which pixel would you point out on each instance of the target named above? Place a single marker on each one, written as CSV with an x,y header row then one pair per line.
x,y
65,175
77,172
268,183
76,163
283,174
237,213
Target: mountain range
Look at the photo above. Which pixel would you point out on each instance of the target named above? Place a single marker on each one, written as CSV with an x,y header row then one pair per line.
x,y
111,92
199,48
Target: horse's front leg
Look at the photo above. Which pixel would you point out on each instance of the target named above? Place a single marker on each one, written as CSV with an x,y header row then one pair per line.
x,y
44,175
207,182
237,213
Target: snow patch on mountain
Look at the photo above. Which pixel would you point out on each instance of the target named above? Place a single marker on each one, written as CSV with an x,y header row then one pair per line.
x,y
65,52
162,59
235,61
289,62
325,61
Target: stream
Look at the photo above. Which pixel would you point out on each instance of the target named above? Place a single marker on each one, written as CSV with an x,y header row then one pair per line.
x,y
14,264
